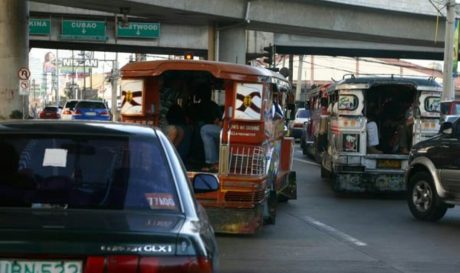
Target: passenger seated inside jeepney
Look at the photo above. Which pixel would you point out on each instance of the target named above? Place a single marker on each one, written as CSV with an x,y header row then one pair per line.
x,y
397,127
372,134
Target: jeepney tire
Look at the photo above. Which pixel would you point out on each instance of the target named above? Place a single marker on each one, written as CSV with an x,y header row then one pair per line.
x,y
282,198
324,172
270,204
304,149
423,200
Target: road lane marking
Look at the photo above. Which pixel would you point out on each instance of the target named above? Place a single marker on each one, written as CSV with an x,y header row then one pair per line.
x,y
335,232
306,161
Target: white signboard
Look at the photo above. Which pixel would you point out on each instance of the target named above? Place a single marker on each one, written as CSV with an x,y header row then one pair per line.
x,y
248,101
24,87
132,92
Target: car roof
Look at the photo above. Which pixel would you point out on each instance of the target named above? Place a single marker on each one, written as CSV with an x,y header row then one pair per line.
x,y
75,128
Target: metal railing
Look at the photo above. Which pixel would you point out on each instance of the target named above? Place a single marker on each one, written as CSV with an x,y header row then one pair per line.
x,y
246,160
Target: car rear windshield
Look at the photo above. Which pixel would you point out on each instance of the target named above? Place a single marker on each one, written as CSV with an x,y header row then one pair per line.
x,y
71,104
90,104
90,172
303,113
51,109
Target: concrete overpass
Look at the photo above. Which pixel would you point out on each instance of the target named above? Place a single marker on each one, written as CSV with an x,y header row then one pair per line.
x,y
331,27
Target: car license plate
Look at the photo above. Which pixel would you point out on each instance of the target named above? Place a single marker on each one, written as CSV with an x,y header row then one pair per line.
x,y
28,266
388,164
90,113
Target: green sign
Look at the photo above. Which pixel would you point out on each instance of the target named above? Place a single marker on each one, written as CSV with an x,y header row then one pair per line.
x,y
39,26
139,30
83,30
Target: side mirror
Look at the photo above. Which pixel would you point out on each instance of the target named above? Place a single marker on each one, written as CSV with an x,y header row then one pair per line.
x,y
446,128
204,182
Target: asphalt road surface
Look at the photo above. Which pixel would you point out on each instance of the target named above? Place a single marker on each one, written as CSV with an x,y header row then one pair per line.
x,y
322,232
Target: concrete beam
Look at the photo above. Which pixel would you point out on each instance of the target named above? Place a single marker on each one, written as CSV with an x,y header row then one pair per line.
x,y
313,18
295,44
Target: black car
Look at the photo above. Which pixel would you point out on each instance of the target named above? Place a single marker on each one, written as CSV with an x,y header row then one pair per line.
x,y
432,179
99,197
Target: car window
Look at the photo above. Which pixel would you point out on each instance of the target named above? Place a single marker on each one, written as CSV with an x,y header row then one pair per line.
x,y
48,171
71,104
50,108
457,108
303,113
91,104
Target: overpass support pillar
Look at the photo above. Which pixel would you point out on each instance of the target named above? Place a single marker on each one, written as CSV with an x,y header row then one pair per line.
x,y
232,45
14,51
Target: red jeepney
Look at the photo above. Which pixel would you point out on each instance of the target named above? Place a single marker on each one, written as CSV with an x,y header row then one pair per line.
x,y
255,157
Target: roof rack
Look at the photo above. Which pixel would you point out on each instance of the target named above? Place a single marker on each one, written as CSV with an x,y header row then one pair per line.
x,y
352,76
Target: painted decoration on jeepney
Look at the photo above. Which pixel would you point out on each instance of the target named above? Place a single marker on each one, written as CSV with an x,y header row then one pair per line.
x,y
429,104
350,142
248,101
131,97
348,102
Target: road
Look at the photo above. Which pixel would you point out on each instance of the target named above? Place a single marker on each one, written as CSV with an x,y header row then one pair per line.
x,y
321,232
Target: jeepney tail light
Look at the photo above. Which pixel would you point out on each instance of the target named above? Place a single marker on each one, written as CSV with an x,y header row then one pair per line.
x,y
140,264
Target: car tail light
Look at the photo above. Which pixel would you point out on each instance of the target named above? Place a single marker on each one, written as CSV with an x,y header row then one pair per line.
x,y
66,112
95,264
298,125
136,264
104,113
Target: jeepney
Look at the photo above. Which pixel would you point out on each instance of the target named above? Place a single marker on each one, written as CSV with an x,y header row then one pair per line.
x,y
394,101
255,156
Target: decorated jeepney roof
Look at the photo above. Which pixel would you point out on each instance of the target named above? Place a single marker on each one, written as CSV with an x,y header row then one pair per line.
x,y
219,70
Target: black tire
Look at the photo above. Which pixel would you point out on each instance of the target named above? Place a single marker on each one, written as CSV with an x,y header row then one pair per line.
x,y
324,172
282,198
422,198
270,208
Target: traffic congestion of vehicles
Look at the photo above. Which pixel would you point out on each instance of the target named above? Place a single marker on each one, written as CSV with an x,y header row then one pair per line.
x,y
373,133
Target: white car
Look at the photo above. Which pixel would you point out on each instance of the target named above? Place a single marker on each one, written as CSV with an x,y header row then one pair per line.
x,y
296,126
68,109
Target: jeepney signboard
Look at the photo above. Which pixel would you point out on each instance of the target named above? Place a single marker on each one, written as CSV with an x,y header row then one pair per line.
x,y
40,26
138,30
83,30
248,101
132,92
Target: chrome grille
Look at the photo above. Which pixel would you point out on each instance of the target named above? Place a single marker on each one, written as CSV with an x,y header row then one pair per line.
x,y
247,160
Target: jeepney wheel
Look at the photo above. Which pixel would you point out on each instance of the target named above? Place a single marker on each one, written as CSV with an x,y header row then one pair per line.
x,y
270,208
423,200
324,172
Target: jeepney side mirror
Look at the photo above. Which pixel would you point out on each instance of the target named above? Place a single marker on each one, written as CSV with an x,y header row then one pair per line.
x,y
205,182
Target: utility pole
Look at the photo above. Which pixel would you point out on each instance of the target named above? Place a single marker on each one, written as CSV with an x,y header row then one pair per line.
x,y
449,92
299,79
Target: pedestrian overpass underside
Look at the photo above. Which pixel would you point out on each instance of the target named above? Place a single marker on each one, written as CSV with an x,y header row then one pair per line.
x,y
318,27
